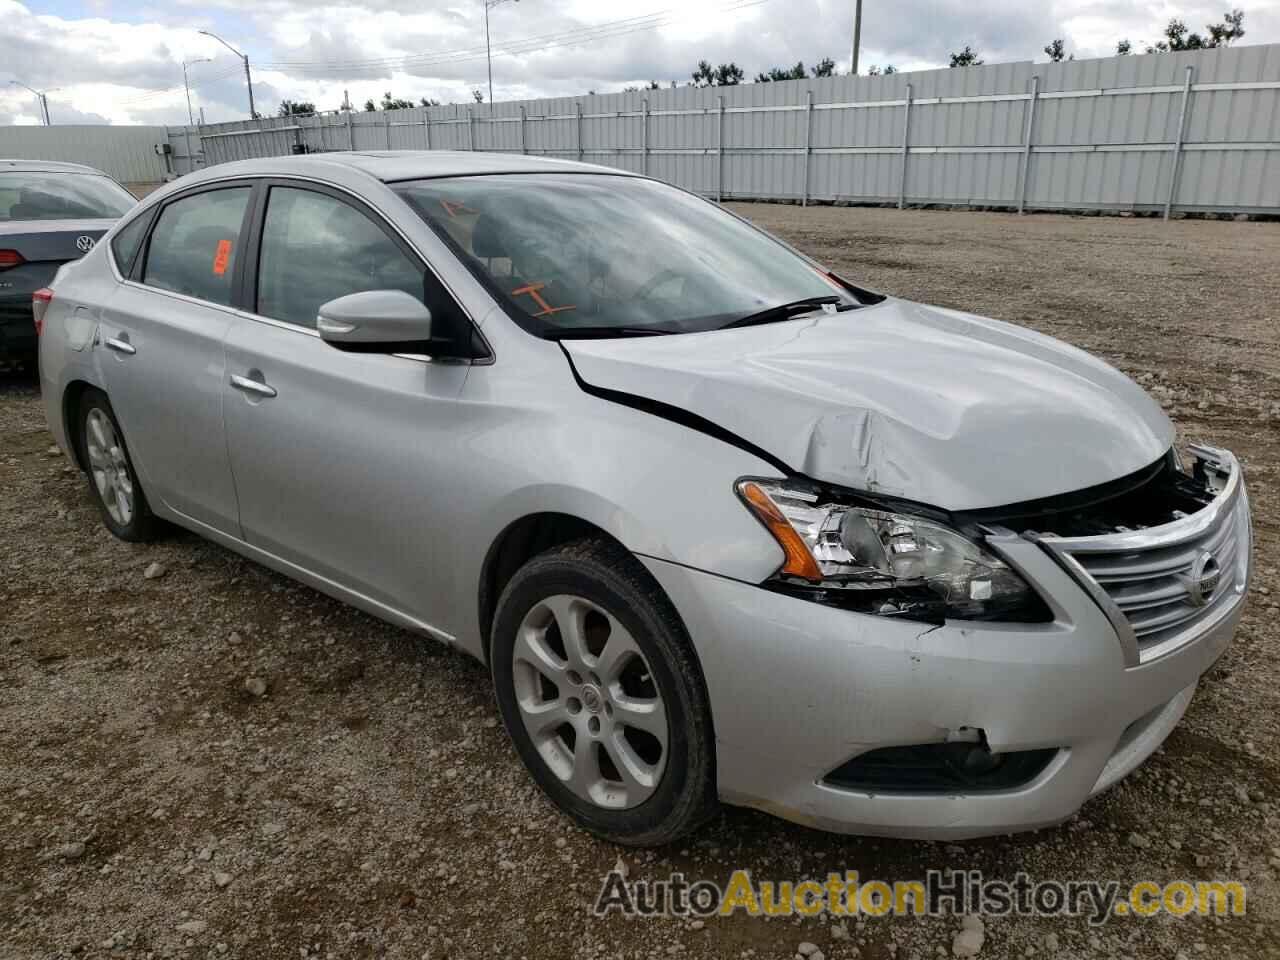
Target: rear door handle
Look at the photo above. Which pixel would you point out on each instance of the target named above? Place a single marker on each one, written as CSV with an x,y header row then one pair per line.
x,y
252,386
120,346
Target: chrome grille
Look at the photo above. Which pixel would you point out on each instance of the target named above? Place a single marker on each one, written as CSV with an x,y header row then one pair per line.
x,y
1156,584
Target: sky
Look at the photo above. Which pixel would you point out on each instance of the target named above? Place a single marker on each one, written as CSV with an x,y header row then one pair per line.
x,y
106,61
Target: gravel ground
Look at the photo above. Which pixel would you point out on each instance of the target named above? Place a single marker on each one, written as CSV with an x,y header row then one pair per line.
x,y
361,800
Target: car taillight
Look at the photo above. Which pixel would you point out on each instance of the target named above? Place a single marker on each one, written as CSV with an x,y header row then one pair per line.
x,y
10,258
40,301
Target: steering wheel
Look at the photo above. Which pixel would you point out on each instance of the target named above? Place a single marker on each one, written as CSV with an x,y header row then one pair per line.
x,y
655,282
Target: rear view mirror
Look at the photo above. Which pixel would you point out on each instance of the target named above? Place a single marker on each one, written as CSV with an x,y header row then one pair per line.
x,y
375,321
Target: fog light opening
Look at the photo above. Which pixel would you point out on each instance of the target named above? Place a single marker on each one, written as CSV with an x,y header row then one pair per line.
x,y
958,766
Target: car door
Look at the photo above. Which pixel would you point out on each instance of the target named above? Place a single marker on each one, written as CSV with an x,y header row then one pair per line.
x,y
335,454
162,356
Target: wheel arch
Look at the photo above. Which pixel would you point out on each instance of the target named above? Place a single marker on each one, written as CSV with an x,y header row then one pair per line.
x,y
519,542
72,395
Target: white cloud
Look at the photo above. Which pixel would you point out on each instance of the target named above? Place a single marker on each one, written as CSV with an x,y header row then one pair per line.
x,y
127,67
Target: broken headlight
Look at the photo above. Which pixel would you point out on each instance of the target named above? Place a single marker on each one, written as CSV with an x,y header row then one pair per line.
x,y
884,562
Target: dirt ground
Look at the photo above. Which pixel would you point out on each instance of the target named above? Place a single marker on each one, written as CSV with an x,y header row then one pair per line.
x,y
369,804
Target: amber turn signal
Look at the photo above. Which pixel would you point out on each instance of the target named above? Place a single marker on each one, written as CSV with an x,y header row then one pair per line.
x,y
799,560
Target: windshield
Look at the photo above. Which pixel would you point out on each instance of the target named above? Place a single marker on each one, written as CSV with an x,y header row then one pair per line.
x,y
613,255
61,196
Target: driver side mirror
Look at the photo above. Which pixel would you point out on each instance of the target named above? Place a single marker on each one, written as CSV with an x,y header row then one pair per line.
x,y
375,321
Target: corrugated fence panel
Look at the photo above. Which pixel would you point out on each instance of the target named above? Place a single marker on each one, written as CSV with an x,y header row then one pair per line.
x,y
1128,180
1105,134
1248,180
126,153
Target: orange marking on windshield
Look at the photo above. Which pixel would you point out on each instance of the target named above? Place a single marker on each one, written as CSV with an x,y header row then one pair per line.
x,y
453,207
532,290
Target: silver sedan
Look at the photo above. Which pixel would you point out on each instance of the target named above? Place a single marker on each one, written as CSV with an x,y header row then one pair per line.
x,y
723,524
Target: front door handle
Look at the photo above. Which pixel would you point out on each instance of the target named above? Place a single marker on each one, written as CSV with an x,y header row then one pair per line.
x,y
252,386
120,346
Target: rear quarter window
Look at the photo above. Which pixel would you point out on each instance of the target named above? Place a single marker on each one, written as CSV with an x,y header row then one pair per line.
x,y
126,243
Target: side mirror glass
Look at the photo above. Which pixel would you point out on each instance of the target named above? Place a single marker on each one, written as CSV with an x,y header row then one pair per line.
x,y
375,321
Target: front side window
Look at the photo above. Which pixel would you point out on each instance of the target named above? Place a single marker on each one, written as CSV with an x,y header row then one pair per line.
x,y
61,196
613,253
195,244
316,248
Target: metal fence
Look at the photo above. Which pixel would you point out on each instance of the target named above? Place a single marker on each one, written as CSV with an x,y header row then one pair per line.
x,y
1197,131
127,153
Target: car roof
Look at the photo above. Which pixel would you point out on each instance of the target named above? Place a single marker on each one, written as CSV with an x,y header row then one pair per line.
x,y
392,165
45,166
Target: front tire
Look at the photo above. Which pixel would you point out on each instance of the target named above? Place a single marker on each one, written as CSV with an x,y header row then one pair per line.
x,y
113,483
599,688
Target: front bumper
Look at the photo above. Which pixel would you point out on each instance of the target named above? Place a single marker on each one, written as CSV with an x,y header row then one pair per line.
x,y
797,689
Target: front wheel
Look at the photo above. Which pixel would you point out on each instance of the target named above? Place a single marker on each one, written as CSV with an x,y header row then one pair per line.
x,y
599,688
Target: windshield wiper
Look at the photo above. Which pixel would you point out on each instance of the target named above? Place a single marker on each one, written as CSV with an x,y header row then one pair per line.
x,y
785,311
603,332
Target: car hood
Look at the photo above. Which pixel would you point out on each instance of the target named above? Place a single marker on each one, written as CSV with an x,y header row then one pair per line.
x,y
932,405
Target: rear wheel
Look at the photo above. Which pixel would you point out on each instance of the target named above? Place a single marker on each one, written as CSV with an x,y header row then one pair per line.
x,y
113,483
599,688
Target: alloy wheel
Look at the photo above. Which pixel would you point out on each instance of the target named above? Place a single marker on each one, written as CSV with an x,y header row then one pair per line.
x,y
589,702
109,466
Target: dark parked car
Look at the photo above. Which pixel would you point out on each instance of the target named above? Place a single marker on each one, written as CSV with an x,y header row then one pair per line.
x,y
50,213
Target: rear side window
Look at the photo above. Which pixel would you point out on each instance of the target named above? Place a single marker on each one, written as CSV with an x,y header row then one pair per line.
x,y
125,244
316,248
194,245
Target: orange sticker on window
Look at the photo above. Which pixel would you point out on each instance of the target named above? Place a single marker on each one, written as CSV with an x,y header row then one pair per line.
x,y
222,257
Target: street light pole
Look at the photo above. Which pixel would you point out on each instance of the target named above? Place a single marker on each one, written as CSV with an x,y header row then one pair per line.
x,y
248,81
41,100
857,37
185,63
488,55
487,51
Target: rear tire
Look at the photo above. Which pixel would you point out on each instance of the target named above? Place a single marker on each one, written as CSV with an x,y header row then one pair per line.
x,y
113,483
620,681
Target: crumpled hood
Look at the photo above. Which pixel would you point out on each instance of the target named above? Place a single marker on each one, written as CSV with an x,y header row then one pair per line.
x,y
932,405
